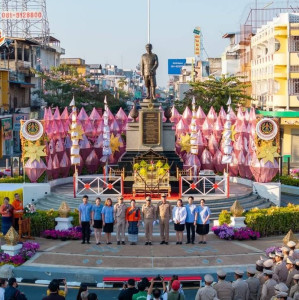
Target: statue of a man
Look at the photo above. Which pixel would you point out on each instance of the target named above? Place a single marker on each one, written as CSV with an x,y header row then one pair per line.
x,y
149,65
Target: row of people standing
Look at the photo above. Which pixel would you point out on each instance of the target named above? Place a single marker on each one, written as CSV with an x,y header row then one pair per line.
x,y
107,216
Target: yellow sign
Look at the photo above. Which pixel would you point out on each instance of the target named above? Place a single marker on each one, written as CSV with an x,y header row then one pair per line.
x,y
289,121
197,42
4,89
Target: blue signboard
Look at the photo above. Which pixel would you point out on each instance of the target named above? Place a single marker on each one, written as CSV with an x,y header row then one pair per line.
x,y
175,66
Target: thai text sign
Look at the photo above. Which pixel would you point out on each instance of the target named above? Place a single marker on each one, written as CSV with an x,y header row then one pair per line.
x,y
16,121
4,89
21,15
175,66
197,45
151,128
7,128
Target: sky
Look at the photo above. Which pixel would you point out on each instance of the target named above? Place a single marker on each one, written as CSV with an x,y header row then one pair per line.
x,y
115,31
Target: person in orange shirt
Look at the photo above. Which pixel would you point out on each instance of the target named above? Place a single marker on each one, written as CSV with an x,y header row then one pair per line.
x,y
6,210
133,218
18,210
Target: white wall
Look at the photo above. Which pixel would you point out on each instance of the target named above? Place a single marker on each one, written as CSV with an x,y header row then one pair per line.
x,y
35,191
270,190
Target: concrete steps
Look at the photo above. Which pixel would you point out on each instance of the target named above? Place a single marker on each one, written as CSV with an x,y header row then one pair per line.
x,y
248,201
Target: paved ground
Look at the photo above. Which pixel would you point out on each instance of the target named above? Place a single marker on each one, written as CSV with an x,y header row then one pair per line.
x,y
57,259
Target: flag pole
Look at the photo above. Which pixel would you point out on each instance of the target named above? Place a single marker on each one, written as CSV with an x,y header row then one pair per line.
x,y
148,21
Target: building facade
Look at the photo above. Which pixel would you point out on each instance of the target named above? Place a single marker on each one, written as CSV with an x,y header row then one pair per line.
x,y
275,77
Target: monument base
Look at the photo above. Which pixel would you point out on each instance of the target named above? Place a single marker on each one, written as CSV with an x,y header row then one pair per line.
x,y
11,250
237,222
63,223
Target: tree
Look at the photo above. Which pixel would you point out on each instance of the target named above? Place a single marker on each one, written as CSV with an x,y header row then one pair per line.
x,y
63,82
122,83
215,92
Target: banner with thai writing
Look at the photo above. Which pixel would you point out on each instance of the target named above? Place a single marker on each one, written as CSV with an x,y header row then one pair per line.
x,y
6,128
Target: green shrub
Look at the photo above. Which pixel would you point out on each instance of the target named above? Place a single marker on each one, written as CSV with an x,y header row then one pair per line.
x,y
288,180
224,217
42,220
18,179
274,220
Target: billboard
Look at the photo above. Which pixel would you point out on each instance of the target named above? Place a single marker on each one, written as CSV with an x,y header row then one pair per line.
x,y
205,66
175,66
4,89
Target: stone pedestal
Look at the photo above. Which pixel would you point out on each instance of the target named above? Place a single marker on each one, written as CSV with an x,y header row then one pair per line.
x,y
11,250
237,222
150,132
63,223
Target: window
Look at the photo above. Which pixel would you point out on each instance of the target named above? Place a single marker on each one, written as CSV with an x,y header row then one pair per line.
x,y
294,44
277,45
295,86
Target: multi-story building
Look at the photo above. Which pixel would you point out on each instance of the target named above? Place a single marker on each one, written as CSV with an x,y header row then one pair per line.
x,y
78,63
18,83
96,73
230,58
275,77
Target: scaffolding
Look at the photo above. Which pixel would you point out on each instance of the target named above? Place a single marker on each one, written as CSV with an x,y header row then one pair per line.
x,y
25,19
255,19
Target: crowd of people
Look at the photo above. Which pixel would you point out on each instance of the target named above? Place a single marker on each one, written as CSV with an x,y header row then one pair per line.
x,y
11,213
274,278
108,218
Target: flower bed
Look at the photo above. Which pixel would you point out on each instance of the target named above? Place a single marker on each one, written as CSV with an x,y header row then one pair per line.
x,y
27,251
74,233
229,233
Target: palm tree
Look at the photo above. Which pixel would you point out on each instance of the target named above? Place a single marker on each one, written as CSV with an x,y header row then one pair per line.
x,y
122,83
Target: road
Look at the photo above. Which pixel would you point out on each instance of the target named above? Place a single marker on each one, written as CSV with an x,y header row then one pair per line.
x,y
36,292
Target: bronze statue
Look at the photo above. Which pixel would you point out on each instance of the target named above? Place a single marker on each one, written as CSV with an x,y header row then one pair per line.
x,y
149,65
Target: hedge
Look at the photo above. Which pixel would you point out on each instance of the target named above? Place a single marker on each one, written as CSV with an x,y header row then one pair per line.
x,y
288,180
273,220
42,220
18,179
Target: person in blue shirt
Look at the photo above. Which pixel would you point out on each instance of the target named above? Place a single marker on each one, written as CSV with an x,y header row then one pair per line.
x,y
202,219
190,208
97,220
85,210
108,220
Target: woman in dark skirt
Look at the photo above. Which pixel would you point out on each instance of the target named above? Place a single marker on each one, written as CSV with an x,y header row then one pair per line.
x,y
179,215
202,220
97,220
133,217
108,220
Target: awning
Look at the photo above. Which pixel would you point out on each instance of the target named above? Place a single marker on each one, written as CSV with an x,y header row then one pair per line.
x,y
23,84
